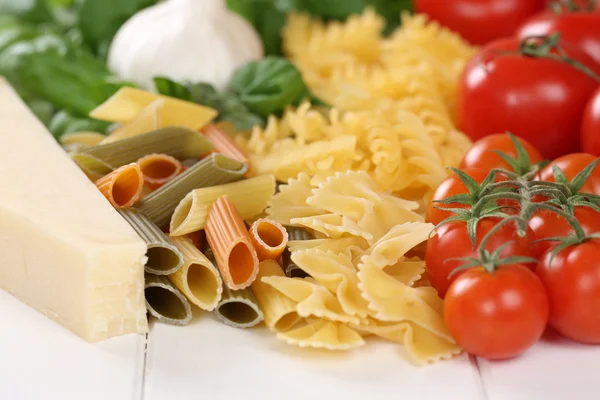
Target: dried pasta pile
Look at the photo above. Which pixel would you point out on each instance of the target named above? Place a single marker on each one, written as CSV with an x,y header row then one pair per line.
x,y
393,103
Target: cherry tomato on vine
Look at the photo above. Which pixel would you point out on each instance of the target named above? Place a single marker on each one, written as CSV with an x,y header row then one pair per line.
x,y
513,86
571,165
572,281
590,127
452,241
482,155
580,28
480,21
496,315
451,186
548,224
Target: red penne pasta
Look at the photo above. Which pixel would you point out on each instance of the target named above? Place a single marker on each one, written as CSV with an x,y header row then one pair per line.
x,y
230,242
224,144
159,169
269,239
123,186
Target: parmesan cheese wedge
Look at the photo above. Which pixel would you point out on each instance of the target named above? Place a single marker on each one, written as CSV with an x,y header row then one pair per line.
x,y
63,248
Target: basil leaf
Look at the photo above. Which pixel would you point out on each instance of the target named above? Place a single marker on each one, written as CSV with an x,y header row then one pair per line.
x,y
169,87
99,20
269,85
63,123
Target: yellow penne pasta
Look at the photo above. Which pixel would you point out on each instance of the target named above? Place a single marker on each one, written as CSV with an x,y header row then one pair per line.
x,y
82,138
123,186
279,311
224,144
249,196
230,242
159,169
198,278
269,239
149,119
127,103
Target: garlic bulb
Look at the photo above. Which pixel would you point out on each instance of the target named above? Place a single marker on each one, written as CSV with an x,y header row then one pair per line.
x,y
194,40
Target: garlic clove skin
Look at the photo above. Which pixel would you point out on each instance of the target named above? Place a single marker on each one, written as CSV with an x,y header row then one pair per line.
x,y
193,40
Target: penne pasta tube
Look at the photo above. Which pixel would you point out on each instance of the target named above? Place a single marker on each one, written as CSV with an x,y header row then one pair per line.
x,y
289,267
165,302
198,278
279,310
230,242
197,239
123,186
83,138
164,258
269,239
224,144
178,142
159,169
250,197
237,308
92,167
213,170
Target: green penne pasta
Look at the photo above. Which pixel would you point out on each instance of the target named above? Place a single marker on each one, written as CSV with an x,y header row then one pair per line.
x,y
237,308
175,141
164,258
289,267
93,167
250,197
215,169
165,302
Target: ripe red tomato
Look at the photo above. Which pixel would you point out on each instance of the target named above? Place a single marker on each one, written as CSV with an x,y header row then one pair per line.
x,y
573,285
571,165
449,187
480,21
548,224
590,127
538,99
481,154
499,315
452,241
580,28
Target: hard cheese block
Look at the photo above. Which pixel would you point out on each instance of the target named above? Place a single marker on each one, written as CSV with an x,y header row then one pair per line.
x,y
63,249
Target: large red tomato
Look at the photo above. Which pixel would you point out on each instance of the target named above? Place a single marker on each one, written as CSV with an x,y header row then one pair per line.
x,y
538,99
497,315
480,21
580,28
572,281
590,127
571,165
452,241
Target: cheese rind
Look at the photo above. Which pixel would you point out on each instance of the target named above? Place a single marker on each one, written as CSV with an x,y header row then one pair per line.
x,y
63,249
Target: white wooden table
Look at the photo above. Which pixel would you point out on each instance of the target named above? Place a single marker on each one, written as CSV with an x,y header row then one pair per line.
x,y
39,360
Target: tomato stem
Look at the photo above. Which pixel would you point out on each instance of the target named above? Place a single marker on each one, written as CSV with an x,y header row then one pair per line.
x,y
543,47
558,7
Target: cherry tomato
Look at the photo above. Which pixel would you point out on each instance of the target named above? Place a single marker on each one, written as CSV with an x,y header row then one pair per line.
x,y
538,99
480,21
573,285
499,315
580,28
590,127
571,165
481,154
452,241
449,187
548,224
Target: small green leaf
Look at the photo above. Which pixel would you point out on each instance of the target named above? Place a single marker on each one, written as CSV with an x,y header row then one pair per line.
x,y
581,178
461,198
169,87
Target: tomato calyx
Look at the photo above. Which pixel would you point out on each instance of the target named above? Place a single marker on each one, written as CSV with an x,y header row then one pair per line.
x,y
521,164
576,184
490,261
559,7
474,190
549,47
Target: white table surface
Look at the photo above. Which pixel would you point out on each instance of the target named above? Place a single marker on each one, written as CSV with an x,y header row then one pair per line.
x,y
40,360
